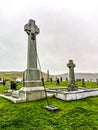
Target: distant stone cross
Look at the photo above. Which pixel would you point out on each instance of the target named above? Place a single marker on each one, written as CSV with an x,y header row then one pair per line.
x,y
71,66
72,86
32,30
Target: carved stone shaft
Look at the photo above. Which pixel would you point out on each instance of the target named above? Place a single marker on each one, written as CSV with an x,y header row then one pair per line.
x,y
31,73
32,30
71,86
71,66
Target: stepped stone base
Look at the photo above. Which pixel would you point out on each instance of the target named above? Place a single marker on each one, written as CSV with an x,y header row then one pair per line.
x,y
26,93
32,83
14,100
31,93
72,87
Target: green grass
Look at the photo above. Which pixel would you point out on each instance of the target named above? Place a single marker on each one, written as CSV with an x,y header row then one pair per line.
x,y
65,83
53,84
72,115
88,84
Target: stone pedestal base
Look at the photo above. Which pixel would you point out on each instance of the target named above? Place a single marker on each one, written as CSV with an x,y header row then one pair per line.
x,y
72,87
26,94
32,93
33,83
32,74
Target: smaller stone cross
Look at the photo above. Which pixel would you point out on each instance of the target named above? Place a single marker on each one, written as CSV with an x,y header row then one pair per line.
x,y
72,86
71,66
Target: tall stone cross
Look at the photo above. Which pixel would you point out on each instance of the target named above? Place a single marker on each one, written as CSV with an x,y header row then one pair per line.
x,y
32,30
71,85
32,85
32,88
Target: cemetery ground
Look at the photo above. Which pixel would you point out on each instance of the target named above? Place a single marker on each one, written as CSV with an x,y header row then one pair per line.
x,y
72,115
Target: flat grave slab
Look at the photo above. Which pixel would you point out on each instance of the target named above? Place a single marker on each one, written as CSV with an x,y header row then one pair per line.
x,y
51,108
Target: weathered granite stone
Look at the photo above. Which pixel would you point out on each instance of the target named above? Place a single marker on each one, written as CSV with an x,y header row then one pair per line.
x,y
71,86
31,73
32,86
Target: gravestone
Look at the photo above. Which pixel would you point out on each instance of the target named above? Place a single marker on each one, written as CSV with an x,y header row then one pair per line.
x,y
71,86
61,79
83,82
12,85
33,88
57,81
97,81
51,80
48,78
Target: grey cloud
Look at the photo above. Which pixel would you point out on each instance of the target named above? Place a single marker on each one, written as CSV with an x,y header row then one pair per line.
x,y
67,31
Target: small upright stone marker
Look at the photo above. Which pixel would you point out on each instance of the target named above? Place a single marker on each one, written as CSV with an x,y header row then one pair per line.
x,y
83,82
97,81
72,86
48,78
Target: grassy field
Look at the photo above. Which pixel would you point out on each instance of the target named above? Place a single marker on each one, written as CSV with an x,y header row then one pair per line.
x,y
72,115
65,83
11,75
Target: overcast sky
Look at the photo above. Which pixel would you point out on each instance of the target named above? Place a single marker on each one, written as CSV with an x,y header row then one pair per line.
x,y
68,30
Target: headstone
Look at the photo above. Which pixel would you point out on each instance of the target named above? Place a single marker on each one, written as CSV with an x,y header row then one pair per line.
x,y
51,80
83,82
97,81
57,81
4,82
72,86
66,79
42,80
61,79
48,79
77,80
12,85
80,80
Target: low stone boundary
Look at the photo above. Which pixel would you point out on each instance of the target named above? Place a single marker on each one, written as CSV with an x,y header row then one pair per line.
x,y
76,95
